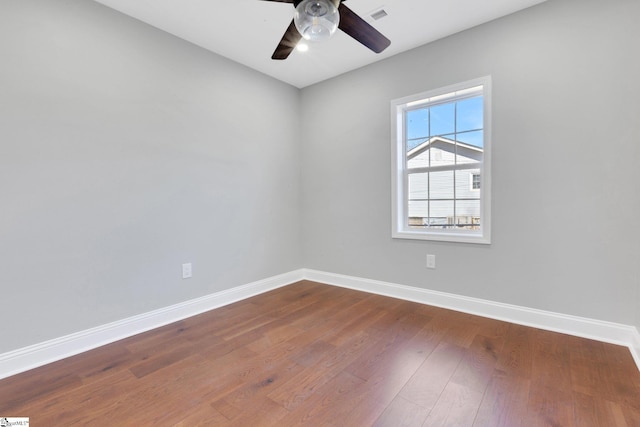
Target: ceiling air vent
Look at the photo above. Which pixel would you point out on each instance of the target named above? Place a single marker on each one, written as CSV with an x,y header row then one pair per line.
x,y
379,14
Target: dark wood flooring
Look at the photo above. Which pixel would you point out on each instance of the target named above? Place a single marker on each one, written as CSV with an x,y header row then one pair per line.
x,y
317,355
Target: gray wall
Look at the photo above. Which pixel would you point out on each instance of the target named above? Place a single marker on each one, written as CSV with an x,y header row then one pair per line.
x,y
566,145
125,152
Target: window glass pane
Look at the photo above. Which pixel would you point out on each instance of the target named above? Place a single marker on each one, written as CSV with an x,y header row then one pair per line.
x,y
443,151
441,185
474,138
468,214
418,212
464,184
443,119
469,114
418,186
468,154
418,159
415,143
441,213
417,122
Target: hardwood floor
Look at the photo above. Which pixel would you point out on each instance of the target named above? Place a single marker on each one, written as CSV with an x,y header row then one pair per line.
x,y
316,355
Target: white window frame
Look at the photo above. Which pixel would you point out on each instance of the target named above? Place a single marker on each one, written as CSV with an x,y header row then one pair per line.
x,y
399,178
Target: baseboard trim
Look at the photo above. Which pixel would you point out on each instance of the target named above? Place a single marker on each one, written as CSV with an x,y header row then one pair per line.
x,y
33,356
608,332
635,347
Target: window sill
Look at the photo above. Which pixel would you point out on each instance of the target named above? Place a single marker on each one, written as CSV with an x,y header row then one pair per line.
x,y
442,237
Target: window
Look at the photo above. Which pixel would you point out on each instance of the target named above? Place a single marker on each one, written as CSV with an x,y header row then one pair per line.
x,y
475,181
441,164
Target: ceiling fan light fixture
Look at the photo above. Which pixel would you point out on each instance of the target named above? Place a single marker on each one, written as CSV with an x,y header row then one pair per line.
x,y
316,20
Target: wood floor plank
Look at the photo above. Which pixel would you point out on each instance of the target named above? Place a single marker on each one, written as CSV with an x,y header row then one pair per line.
x,y
453,327
30,386
456,406
515,359
379,391
430,379
346,324
398,331
549,405
402,413
262,412
201,416
80,403
550,398
622,382
505,401
477,366
313,354
298,389
597,411
273,337
631,415
320,406
153,361
259,386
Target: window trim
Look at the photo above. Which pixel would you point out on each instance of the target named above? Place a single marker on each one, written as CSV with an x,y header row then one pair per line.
x,y
399,184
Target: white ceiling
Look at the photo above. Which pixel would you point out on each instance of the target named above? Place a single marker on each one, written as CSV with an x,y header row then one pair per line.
x,y
248,31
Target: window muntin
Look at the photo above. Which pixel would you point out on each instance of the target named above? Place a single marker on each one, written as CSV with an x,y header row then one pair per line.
x,y
440,153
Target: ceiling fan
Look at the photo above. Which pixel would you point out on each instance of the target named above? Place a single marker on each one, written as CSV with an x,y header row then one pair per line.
x,y
318,20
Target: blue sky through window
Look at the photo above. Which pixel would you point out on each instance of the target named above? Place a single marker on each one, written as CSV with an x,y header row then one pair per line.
x,y
460,120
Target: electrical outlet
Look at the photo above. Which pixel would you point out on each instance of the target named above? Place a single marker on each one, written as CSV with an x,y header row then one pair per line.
x,y
431,261
187,270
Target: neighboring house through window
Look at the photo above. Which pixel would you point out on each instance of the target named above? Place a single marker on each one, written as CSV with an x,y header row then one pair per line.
x,y
441,164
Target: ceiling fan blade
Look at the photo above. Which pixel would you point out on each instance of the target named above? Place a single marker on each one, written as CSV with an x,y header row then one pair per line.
x,y
360,30
288,43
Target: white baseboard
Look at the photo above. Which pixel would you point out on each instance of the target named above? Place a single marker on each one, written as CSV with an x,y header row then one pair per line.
x,y
608,332
33,356
634,347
